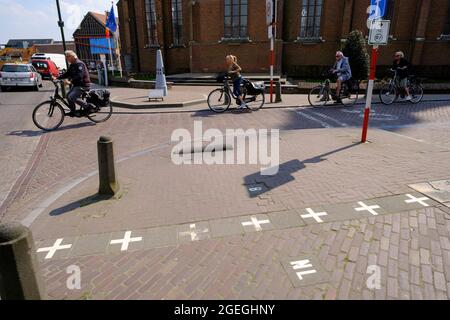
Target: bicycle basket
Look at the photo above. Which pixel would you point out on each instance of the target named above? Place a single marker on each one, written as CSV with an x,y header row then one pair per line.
x,y
99,98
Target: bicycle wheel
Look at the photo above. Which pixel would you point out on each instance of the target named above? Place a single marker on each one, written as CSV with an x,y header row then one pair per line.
x,y
388,94
255,103
416,92
219,100
350,97
318,96
48,116
98,115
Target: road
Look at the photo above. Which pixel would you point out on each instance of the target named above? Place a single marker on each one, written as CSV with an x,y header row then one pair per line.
x,y
18,138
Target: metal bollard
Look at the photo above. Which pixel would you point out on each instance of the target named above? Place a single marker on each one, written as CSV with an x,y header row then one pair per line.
x,y
19,273
278,92
109,186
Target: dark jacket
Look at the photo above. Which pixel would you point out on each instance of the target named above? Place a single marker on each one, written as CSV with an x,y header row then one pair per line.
x,y
402,73
78,73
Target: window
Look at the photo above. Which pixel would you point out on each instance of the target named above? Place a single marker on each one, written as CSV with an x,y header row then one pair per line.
x,y
447,24
310,19
236,18
389,14
177,22
150,13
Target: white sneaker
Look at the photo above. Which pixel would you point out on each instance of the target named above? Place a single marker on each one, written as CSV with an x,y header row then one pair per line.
x,y
241,106
408,98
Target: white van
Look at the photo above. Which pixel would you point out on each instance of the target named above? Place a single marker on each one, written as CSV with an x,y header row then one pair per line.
x,y
58,59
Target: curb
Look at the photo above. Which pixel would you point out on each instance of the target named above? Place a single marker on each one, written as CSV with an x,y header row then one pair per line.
x,y
127,105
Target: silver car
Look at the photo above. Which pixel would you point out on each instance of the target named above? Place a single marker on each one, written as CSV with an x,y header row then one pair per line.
x,y
19,75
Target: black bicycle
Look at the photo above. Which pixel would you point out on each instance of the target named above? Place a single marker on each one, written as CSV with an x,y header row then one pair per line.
x,y
219,100
323,94
49,115
392,91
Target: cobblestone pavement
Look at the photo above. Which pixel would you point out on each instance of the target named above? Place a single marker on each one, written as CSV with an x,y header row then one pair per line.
x,y
322,166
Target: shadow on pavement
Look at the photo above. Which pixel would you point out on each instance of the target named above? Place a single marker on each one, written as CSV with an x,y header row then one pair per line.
x,y
78,204
36,133
284,174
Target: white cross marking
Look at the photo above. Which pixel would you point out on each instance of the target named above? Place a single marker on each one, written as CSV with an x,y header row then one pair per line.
x,y
256,223
126,241
56,246
194,232
365,207
413,199
315,215
303,264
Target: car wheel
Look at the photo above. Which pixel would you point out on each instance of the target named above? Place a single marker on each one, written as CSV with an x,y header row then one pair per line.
x,y
3,88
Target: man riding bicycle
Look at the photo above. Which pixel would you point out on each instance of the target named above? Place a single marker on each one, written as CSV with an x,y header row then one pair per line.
x,y
78,75
343,72
401,66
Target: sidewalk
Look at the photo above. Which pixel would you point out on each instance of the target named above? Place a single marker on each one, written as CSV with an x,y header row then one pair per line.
x,y
194,98
225,231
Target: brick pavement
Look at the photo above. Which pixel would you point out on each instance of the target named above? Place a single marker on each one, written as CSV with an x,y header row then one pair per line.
x,y
382,168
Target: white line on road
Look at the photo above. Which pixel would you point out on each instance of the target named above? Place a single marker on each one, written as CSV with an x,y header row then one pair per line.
x,y
310,117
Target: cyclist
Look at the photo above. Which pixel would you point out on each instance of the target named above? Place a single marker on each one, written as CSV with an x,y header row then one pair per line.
x,y
342,71
401,66
78,74
234,70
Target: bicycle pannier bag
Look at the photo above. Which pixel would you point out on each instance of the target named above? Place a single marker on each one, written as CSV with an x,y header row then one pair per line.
x,y
99,98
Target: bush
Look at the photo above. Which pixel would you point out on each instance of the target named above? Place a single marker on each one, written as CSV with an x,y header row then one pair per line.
x,y
355,49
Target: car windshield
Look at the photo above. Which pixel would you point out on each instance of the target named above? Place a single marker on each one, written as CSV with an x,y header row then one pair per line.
x,y
15,68
40,65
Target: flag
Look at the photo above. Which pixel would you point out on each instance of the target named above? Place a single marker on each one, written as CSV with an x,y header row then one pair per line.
x,y
111,23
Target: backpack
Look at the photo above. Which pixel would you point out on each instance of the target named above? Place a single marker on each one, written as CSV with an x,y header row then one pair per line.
x,y
99,97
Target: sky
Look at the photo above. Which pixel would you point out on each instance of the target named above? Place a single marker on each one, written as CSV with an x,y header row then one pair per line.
x,y
32,19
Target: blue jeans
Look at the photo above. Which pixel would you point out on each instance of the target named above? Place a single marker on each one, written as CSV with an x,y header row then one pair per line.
x,y
237,87
74,96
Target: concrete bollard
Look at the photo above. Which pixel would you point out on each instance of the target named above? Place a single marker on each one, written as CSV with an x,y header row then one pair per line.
x,y
278,92
109,186
19,273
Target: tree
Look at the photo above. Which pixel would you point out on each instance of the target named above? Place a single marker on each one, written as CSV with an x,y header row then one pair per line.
x,y
355,49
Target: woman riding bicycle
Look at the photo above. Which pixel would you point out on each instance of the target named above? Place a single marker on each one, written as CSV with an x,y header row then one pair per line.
x,y
234,70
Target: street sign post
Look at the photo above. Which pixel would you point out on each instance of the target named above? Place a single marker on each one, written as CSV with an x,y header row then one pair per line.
x,y
271,20
378,36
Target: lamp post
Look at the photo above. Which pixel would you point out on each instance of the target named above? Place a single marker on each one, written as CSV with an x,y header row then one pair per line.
x,y
61,26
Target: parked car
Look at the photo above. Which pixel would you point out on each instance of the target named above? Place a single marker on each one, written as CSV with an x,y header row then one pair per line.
x,y
19,75
58,59
47,68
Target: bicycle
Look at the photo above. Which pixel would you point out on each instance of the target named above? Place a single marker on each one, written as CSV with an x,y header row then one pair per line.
x,y
219,100
49,115
391,91
322,94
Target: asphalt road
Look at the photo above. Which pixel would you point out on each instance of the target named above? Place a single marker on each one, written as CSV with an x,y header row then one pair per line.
x,y
18,135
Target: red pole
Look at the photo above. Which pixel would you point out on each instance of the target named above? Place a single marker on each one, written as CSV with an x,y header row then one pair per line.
x,y
373,67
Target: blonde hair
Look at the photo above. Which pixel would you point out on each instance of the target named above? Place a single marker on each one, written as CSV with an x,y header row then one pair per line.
x,y
232,58
71,53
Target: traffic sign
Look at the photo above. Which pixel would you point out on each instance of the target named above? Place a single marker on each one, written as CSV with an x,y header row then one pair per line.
x,y
379,32
377,9
270,10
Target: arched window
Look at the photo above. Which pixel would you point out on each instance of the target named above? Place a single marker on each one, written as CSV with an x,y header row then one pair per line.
x,y
150,14
310,16
236,19
177,22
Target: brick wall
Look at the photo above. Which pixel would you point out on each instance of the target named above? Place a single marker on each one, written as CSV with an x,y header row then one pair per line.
x,y
416,27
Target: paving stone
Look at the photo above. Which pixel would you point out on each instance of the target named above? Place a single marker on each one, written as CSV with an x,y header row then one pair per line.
x,y
285,219
226,227
193,232
161,237
256,223
90,244
304,271
58,254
